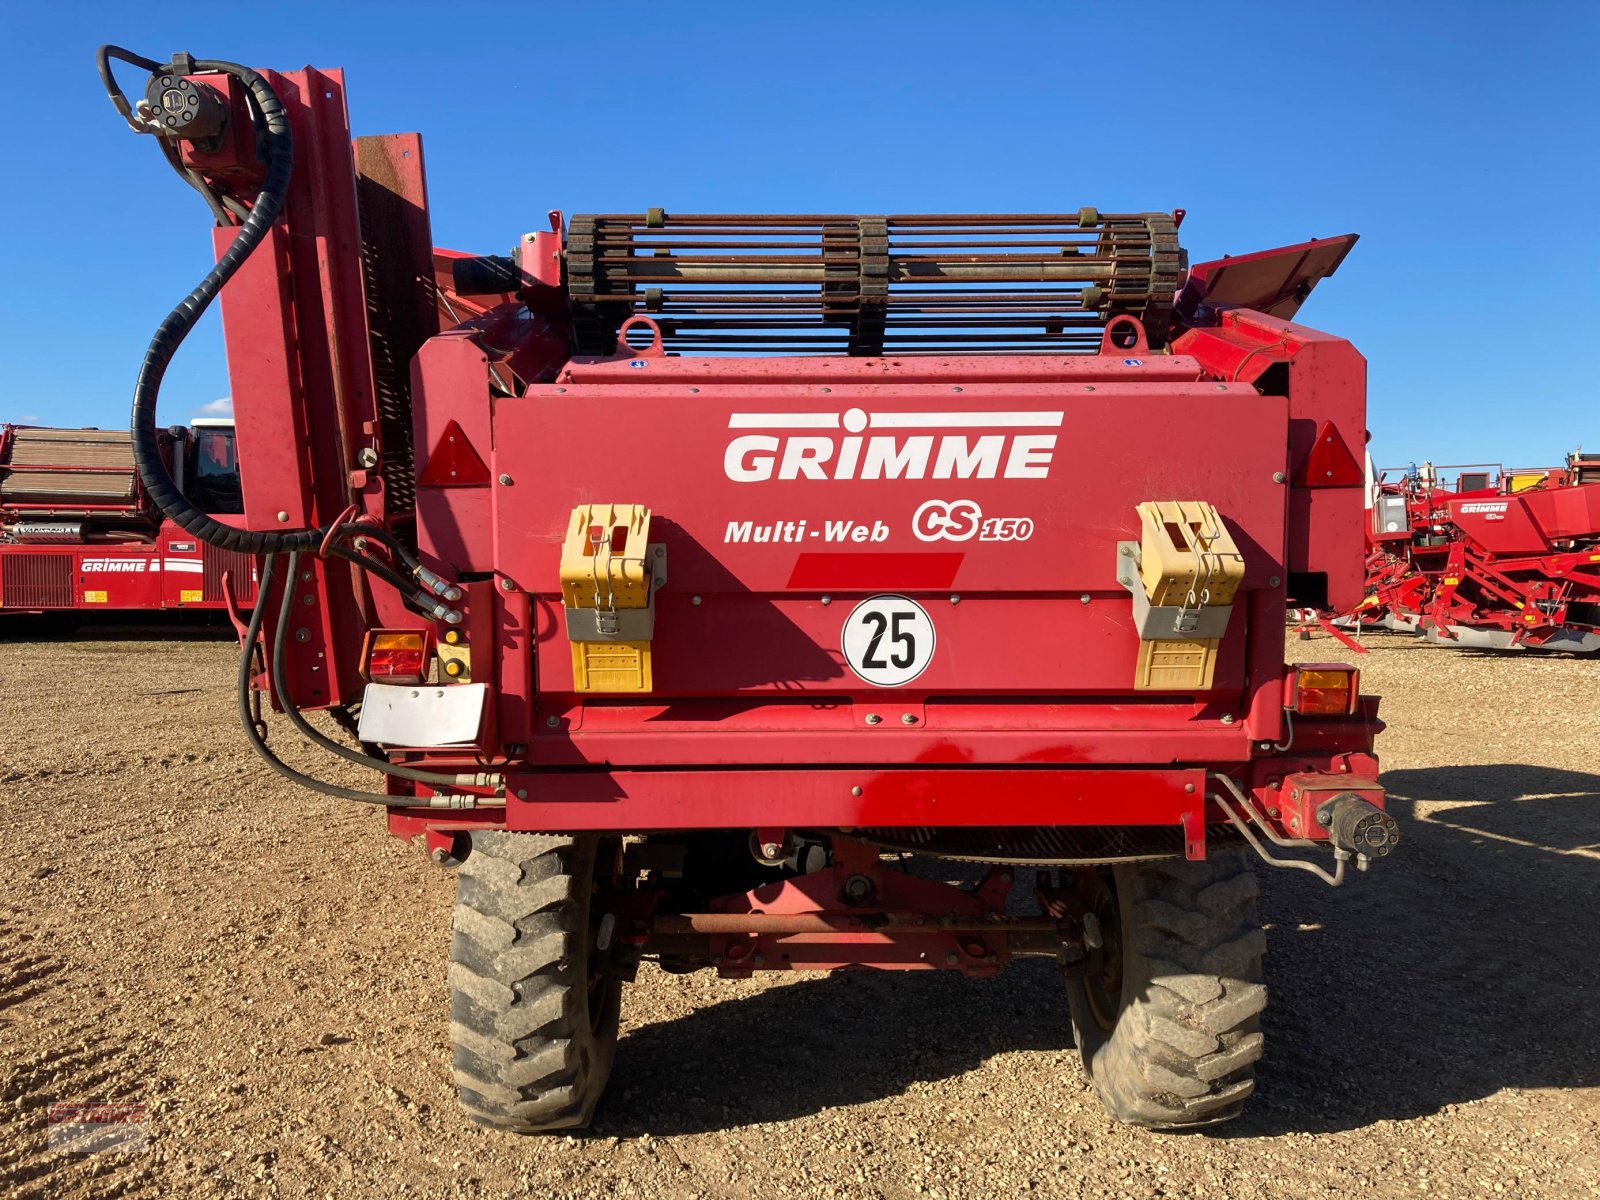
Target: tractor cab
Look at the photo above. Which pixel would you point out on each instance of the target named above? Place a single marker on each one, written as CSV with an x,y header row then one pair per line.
x,y
210,471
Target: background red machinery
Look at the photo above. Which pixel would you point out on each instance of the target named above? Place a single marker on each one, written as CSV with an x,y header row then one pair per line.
x,y
1481,556
691,578
79,532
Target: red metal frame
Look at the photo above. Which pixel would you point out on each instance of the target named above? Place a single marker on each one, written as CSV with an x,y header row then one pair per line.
x,y
809,923
834,798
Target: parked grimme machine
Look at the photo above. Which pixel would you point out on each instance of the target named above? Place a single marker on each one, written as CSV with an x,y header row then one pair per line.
x,y
1487,558
79,533
712,577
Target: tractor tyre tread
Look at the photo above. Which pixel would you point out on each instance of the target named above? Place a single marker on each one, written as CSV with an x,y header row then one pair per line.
x,y
1183,1050
527,1057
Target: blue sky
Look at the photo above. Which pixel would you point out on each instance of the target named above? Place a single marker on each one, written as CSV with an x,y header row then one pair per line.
x,y
1459,139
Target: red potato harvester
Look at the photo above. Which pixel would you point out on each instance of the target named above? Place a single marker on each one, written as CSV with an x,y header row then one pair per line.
x,y
1499,560
691,579
79,533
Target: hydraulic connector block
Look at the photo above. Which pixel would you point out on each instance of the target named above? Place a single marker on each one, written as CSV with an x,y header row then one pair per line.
x,y
1358,826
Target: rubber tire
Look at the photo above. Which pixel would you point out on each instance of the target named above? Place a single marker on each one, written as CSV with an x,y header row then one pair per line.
x,y
528,1056
1182,1051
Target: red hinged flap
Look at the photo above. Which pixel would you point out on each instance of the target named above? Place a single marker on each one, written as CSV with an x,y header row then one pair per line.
x,y
454,463
1330,463
1275,282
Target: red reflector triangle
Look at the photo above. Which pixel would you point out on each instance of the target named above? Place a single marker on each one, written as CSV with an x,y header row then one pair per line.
x,y
1330,463
454,463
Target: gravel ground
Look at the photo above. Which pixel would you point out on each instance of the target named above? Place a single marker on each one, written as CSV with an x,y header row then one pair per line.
x,y
264,968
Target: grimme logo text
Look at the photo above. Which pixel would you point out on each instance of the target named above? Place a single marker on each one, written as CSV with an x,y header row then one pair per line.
x,y
838,446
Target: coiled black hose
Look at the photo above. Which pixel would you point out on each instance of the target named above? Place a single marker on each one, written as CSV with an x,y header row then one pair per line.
x,y
275,144
277,148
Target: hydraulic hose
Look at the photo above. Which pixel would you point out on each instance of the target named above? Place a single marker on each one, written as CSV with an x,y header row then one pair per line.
x,y
298,720
259,744
276,147
252,632
406,587
102,60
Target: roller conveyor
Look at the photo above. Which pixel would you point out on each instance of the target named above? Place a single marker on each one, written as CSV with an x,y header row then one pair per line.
x,y
872,285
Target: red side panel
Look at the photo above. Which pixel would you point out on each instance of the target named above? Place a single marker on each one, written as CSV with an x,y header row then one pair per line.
x,y
1529,522
268,421
174,571
767,551
1325,382
1569,512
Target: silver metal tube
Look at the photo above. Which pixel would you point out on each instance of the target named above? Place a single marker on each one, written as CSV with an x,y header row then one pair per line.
x,y
1332,880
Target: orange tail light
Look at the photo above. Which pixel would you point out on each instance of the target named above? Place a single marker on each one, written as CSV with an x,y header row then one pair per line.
x,y
396,656
1322,689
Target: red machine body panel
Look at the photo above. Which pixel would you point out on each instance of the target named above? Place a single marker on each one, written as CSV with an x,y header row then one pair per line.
x,y
775,517
173,572
756,552
864,797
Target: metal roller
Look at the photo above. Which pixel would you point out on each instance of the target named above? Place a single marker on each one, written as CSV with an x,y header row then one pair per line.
x,y
734,283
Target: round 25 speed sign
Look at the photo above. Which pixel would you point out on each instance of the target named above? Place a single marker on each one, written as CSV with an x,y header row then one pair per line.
x,y
888,640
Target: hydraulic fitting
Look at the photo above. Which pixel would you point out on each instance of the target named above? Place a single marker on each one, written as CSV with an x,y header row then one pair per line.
x,y
175,107
1358,826
439,612
458,800
439,586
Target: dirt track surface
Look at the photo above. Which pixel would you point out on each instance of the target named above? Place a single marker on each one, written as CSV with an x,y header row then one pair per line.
x,y
264,969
